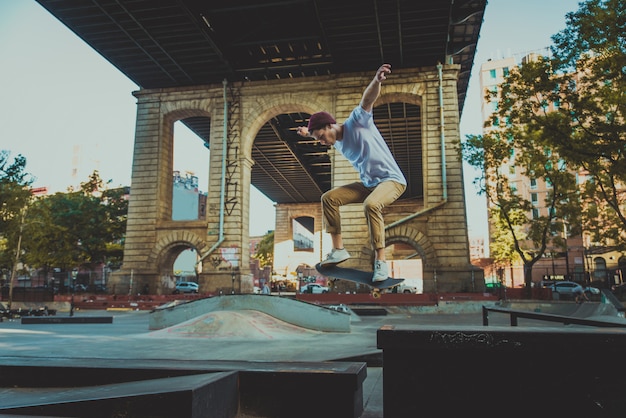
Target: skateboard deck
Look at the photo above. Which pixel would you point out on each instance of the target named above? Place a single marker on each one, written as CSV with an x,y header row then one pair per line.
x,y
357,276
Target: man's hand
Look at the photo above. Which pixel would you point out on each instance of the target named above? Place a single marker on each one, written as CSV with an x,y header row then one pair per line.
x,y
382,72
373,88
303,131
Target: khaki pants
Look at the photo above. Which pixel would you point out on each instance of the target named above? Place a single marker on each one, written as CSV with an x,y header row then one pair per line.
x,y
374,199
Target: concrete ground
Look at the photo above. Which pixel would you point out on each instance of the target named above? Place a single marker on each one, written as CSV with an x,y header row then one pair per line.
x,y
241,335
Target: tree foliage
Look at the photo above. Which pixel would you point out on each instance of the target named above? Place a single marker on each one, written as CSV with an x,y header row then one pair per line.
x,y
517,231
594,46
586,79
81,227
14,197
265,251
555,116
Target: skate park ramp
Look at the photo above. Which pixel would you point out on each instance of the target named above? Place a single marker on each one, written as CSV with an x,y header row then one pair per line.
x,y
236,325
260,315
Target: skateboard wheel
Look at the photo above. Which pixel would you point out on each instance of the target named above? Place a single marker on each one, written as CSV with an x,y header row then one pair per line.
x,y
376,294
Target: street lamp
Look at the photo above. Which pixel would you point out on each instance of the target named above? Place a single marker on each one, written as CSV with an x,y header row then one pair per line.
x,y
566,251
17,253
17,259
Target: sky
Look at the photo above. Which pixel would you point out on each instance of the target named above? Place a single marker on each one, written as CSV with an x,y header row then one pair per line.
x,y
69,111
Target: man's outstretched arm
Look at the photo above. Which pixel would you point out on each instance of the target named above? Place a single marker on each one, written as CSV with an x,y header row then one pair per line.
x,y
373,88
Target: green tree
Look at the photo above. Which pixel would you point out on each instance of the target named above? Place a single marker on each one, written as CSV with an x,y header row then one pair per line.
x,y
14,198
265,251
594,45
82,227
579,98
571,109
517,228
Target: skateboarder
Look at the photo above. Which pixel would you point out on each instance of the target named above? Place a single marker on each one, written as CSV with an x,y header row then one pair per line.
x,y
382,181
580,294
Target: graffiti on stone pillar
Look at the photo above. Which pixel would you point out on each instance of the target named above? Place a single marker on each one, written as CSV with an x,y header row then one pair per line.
x,y
216,261
230,257
232,141
227,258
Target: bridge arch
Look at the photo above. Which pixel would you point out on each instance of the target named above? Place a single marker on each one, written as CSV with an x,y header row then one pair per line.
x,y
269,106
166,251
151,241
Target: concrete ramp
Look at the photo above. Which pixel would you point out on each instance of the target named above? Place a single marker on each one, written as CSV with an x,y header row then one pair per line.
x,y
236,325
297,313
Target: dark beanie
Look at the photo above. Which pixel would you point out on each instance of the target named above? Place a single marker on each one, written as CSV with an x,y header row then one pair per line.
x,y
319,120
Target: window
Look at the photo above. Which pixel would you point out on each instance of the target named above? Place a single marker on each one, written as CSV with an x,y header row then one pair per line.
x,y
303,233
505,71
492,73
580,179
599,268
534,198
533,183
535,213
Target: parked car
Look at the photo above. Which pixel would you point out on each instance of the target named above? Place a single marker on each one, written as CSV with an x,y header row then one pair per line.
x,y
403,288
186,287
567,287
339,308
314,288
80,288
97,288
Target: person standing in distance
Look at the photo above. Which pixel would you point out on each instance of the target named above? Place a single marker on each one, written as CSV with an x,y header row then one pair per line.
x,y
381,180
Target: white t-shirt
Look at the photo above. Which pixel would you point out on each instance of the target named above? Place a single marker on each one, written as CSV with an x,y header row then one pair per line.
x,y
366,149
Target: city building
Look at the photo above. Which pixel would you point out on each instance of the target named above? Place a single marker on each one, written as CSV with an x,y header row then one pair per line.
x,y
188,202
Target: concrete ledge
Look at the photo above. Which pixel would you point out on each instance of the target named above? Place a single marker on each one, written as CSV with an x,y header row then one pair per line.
x,y
209,395
67,320
495,371
264,389
294,312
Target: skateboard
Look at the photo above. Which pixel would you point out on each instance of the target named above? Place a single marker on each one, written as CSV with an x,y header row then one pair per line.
x,y
357,276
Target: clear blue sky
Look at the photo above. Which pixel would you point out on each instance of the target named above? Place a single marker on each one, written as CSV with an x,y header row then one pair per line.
x,y
63,106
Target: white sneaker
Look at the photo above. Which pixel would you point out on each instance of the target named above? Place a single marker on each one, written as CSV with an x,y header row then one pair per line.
x,y
336,256
381,272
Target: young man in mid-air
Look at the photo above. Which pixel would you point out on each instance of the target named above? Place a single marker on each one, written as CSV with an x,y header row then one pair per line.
x,y
382,181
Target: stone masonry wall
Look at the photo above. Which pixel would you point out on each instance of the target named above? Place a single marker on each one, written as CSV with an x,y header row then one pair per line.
x,y
439,234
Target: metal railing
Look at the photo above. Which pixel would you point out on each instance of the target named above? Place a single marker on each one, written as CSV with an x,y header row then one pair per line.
x,y
566,320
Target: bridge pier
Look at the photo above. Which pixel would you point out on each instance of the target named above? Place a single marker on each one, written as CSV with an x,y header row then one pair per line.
x,y
431,219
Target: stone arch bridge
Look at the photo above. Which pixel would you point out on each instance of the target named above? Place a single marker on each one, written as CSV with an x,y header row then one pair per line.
x,y
429,221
